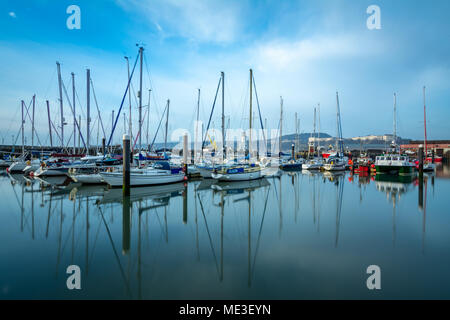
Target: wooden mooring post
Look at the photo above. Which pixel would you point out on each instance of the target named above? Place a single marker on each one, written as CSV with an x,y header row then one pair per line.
x,y
126,165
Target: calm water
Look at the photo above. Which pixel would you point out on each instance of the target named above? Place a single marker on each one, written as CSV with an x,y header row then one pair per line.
x,y
295,237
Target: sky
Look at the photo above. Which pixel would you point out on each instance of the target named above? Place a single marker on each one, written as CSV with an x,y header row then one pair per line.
x,y
304,51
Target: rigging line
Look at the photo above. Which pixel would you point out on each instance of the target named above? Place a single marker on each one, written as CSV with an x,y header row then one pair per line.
x,y
35,132
134,95
17,136
339,195
69,140
11,122
115,252
81,105
159,125
260,231
139,132
26,113
121,104
96,105
212,111
259,111
76,121
151,83
209,235
56,131
276,192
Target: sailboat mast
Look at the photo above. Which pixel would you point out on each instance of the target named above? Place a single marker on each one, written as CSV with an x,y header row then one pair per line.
x,y
112,132
395,120
49,124
167,126
296,133
58,66
141,50
425,122
314,134
281,126
337,122
318,142
129,100
250,117
223,115
198,104
74,115
22,128
32,123
196,124
88,108
124,125
79,133
148,116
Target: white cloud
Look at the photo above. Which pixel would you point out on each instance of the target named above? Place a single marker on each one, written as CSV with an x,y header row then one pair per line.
x,y
200,20
158,26
12,14
289,55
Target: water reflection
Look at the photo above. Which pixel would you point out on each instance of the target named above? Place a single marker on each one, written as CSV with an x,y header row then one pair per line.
x,y
212,236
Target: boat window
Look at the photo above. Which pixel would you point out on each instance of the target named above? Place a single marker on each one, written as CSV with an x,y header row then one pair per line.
x,y
402,158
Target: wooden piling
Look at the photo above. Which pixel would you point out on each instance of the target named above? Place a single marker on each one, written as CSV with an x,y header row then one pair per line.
x,y
103,146
126,165
126,225
421,161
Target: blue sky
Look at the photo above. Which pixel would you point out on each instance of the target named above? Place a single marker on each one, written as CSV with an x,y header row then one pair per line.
x,y
301,50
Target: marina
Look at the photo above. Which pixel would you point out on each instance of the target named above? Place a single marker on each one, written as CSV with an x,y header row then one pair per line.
x,y
219,218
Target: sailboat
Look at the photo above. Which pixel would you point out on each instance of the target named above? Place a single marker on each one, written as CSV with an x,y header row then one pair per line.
x,y
206,167
337,162
241,172
293,164
160,173
314,163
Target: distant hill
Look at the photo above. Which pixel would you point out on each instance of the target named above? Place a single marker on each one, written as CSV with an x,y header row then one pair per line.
x,y
303,137
355,143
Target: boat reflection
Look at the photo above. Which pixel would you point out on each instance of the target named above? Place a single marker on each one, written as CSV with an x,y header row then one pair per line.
x,y
237,187
219,228
156,193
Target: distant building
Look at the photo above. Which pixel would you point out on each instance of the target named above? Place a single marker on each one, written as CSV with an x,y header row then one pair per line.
x,y
440,147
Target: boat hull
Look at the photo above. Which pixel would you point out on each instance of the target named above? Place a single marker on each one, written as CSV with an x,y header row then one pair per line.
x,y
403,170
334,167
17,167
63,171
205,172
311,166
244,176
88,178
116,179
291,167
